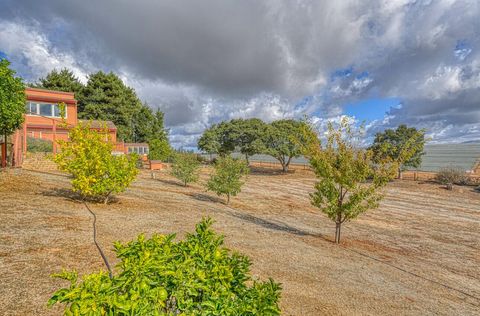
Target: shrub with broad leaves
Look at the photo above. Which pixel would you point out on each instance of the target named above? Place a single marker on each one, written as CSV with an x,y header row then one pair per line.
x,y
185,167
87,156
158,276
227,178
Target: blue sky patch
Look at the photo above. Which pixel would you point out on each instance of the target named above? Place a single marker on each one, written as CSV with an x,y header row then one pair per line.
x,y
371,109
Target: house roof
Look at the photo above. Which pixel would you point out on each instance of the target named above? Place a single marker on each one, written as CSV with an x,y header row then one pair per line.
x,y
99,124
44,95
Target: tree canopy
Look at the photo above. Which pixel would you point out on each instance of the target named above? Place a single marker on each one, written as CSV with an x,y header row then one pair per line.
x,y
217,139
403,145
12,99
63,80
106,97
282,140
247,136
12,103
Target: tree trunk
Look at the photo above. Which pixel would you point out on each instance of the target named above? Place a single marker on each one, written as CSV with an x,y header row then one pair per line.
x,y
228,199
338,227
449,186
106,198
400,175
185,183
246,158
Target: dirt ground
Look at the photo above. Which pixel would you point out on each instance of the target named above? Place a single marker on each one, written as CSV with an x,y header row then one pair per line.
x,y
418,254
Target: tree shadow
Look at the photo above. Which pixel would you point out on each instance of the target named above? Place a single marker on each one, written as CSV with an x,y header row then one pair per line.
x,y
206,198
265,171
277,226
171,182
72,196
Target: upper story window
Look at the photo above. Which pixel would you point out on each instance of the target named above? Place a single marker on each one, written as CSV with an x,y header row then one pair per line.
x,y
43,109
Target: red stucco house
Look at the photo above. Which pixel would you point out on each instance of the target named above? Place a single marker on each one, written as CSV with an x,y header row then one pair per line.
x,y
43,121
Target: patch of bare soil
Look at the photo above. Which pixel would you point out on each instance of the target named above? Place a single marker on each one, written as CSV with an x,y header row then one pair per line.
x,y
418,254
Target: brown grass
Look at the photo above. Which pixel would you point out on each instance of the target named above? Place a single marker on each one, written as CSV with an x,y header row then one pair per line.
x,y
433,235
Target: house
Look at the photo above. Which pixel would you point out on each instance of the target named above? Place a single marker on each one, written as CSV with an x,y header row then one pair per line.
x,y
43,121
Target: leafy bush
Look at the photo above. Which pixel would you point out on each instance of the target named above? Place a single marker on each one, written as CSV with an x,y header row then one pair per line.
x,y
36,145
87,156
157,276
185,167
159,149
451,175
227,177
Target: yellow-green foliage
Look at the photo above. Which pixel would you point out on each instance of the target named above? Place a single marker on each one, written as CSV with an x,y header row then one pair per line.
x,y
348,180
227,177
161,276
87,156
185,168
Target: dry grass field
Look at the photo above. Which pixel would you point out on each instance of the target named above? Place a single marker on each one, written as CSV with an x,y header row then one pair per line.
x,y
418,254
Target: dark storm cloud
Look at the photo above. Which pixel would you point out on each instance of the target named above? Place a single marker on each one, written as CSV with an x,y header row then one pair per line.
x,y
203,61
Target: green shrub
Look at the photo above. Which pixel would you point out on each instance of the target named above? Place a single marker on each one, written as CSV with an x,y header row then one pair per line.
x,y
185,167
159,149
87,156
157,276
36,145
451,175
227,177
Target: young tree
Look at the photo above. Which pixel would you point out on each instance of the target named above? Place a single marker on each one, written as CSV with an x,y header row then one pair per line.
x,y
159,149
162,276
96,173
227,178
186,168
282,140
403,145
63,80
12,104
348,180
247,136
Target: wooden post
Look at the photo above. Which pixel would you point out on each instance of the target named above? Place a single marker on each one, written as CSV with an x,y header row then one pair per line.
x,y
4,151
54,130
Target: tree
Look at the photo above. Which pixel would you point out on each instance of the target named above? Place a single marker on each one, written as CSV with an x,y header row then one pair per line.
x,y
63,80
186,168
159,149
161,276
12,104
217,140
282,141
403,145
348,180
107,98
247,135
96,173
227,177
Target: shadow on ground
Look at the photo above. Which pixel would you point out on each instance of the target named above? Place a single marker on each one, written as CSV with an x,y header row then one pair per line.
x,y
70,195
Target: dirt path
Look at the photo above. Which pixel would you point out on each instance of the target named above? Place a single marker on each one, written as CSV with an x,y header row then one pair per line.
x,y
415,255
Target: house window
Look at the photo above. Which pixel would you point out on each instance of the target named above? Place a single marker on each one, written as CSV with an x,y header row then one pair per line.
x,y
43,109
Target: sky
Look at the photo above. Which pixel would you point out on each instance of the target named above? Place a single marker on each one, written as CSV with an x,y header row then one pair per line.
x,y
381,62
